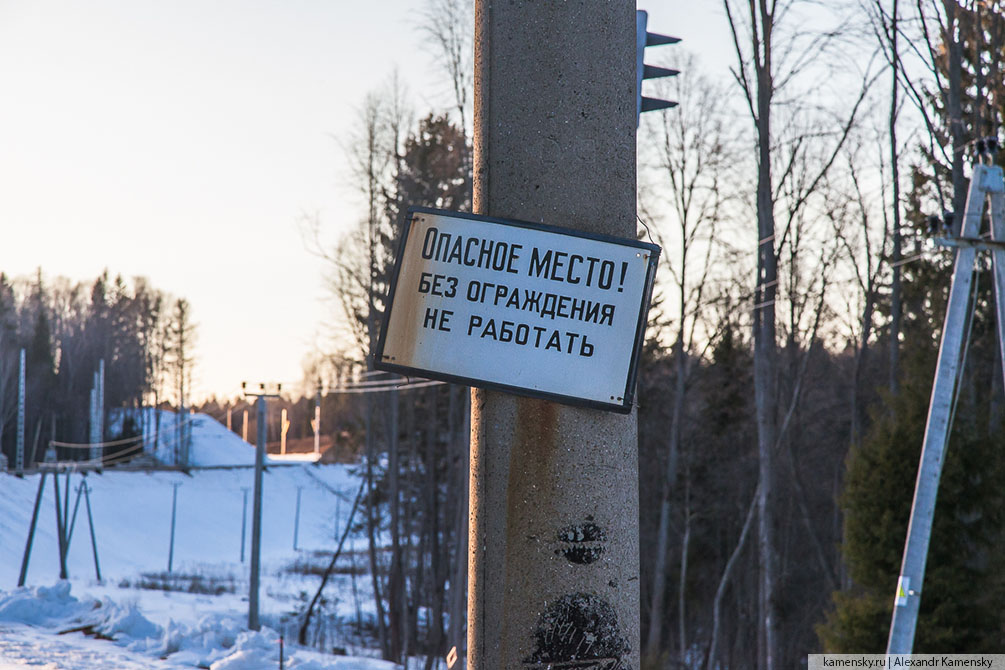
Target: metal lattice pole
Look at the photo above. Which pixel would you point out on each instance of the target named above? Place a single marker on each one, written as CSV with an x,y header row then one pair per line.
x,y
986,181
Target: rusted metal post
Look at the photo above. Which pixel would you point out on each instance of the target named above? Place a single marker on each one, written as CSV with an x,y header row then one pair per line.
x,y
554,560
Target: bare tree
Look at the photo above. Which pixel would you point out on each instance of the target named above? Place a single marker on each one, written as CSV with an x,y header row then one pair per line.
x,y
772,59
181,333
447,24
886,26
690,158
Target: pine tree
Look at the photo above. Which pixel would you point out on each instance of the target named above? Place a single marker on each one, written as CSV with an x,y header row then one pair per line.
x,y
960,607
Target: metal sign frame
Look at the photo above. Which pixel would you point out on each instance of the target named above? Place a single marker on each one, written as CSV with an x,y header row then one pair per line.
x,y
623,407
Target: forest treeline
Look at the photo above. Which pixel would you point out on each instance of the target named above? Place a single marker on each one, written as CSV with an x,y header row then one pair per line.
x,y
66,329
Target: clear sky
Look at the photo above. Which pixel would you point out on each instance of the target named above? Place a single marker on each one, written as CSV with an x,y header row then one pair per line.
x,y
183,140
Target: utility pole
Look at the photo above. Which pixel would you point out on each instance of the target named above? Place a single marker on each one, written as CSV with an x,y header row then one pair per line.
x,y
19,456
256,505
174,507
244,520
101,405
93,453
90,524
97,430
244,427
316,422
229,411
986,183
554,489
284,427
60,528
31,528
296,519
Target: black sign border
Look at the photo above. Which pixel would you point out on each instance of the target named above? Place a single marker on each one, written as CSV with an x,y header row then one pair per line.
x,y
625,407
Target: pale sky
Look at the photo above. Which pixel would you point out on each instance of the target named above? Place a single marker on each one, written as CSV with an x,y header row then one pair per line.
x,y
183,140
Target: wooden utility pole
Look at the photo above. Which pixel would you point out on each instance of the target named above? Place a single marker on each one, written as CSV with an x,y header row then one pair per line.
x,y
316,423
554,489
284,427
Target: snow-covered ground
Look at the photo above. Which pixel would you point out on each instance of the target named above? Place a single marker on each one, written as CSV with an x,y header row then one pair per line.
x,y
132,514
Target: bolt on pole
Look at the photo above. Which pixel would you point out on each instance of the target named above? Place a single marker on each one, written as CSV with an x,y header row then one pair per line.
x,y
553,537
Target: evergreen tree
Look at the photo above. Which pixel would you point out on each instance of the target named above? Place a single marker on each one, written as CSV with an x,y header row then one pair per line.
x,y
960,607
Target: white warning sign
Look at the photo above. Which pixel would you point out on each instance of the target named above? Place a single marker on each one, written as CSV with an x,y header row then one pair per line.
x,y
519,307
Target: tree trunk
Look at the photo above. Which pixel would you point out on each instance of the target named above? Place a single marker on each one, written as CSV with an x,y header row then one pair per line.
x,y
897,252
459,577
682,582
765,359
656,606
954,95
371,528
720,591
302,635
396,587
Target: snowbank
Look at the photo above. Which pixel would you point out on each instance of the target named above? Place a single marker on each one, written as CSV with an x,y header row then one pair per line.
x,y
216,641
44,606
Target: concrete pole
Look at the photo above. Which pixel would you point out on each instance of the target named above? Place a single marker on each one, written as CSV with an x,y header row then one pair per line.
x,y
256,519
94,539
19,454
244,520
174,507
101,404
94,452
31,529
907,600
296,519
554,559
244,427
60,530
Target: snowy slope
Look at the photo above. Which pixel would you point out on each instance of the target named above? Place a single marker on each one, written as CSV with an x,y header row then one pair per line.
x,y
132,518
132,521
211,443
